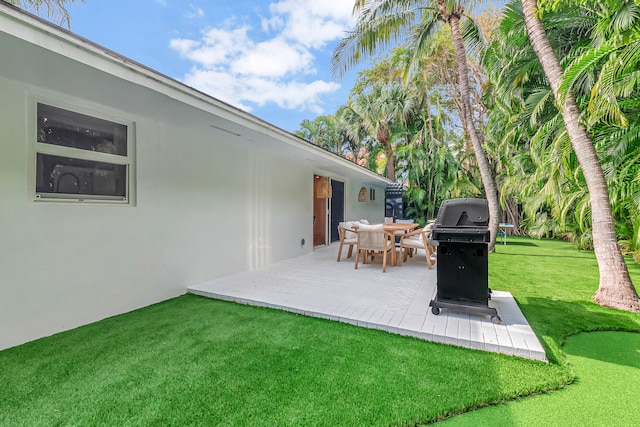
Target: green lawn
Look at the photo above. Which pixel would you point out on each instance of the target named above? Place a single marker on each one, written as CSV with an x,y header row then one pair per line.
x,y
195,361
605,392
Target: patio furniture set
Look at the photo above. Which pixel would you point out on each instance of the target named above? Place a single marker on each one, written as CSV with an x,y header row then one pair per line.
x,y
384,238
459,236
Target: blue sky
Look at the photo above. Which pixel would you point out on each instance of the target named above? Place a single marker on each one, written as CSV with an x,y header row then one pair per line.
x,y
270,58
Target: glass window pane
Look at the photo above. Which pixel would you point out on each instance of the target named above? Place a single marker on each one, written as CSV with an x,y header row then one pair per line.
x,y
70,129
65,175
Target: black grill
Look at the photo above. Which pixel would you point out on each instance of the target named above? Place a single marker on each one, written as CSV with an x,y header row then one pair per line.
x,y
462,235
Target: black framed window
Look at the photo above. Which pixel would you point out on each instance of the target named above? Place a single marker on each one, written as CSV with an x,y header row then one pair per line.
x,y
81,157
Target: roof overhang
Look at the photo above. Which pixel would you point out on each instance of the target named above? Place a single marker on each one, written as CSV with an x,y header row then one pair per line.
x,y
236,125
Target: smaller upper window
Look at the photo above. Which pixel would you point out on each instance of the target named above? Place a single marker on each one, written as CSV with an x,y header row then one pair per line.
x,y
70,129
81,157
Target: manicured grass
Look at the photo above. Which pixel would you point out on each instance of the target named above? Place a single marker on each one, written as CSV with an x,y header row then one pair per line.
x,y
553,284
605,392
195,361
192,360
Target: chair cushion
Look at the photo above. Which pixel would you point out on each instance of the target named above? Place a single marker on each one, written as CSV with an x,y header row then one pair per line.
x,y
364,221
413,243
349,233
371,227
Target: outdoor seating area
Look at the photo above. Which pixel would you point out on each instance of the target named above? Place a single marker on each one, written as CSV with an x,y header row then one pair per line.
x,y
396,302
379,239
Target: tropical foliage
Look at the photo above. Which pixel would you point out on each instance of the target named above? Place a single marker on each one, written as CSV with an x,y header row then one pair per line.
x,y
407,127
542,185
599,47
380,23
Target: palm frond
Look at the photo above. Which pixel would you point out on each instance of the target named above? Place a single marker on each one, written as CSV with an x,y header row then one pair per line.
x,y
536,102
583,64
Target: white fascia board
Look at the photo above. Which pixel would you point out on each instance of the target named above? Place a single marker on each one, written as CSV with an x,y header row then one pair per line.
x,y
32,29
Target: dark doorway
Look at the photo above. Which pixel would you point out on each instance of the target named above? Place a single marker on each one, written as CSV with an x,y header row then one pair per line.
x,y
337,208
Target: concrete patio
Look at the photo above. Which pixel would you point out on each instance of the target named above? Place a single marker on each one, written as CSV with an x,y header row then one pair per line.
x,y
396,301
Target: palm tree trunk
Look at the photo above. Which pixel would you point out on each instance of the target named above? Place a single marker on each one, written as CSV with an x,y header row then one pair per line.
x,y
485,171
513,216
391,168
385,140
616,289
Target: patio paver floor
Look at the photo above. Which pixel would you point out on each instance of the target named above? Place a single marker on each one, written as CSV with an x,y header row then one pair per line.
x,y
396,301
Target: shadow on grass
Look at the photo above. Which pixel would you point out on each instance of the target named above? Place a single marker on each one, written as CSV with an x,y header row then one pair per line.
x,y
544,256
603,361
518,243
622,355
555,320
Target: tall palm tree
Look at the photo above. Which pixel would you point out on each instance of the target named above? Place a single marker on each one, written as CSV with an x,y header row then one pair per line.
x,y
615,289
381,22
54,9
382,108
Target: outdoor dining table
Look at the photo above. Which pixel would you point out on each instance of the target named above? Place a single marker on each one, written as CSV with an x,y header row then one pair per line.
x,y
389,230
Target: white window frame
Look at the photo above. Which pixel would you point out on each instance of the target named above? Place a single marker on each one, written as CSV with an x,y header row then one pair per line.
x,y
57,150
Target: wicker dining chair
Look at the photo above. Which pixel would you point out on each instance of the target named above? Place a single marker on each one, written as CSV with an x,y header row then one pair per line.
x,y
373,239
418,239
348,236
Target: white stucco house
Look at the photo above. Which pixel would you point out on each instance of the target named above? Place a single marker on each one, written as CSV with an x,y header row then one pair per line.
x,y
120,187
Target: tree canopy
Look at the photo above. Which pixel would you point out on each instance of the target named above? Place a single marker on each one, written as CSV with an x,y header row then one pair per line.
x,y
542,185
52,9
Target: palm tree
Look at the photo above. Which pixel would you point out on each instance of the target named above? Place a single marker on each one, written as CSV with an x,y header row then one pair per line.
x,y
382,108
353,132
310,131
381,22
324,132
433,171
615,289
54,9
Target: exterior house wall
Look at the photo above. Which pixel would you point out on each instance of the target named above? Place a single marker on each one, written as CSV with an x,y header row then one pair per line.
x,y
371,210
203,209
216,191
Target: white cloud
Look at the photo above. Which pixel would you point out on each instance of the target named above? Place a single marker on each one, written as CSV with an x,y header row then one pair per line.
x,y
217,47
194,12
274,58
247,91
274,63
313,23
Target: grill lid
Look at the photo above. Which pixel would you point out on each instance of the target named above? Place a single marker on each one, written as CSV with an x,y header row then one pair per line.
x,y
462,220
463,213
